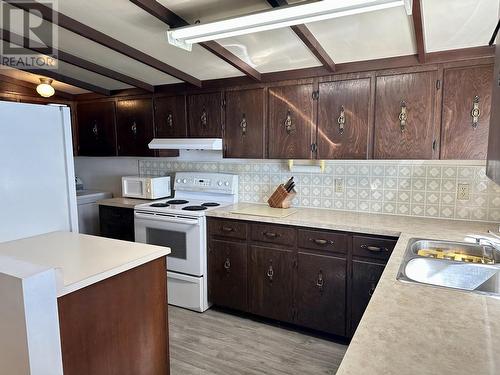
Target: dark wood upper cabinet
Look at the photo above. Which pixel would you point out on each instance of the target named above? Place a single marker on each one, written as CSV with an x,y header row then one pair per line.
x,y
96,129
135,129
493,163
205,115
291,123
404,116
466,112
244,126
170,117
343,119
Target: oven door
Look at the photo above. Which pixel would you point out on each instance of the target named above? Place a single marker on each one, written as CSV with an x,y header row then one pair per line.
x,y
184,235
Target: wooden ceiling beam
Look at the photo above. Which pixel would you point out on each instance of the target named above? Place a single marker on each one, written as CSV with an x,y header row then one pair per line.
x,y
418,26
164,14
85,31
11,37
309,39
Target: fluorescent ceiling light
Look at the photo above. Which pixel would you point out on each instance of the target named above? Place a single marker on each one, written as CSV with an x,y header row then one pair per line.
x,y
290,15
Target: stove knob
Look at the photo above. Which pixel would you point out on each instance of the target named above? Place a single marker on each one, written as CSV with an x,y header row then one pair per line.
x,y
226,183
184,181
178,180
219,183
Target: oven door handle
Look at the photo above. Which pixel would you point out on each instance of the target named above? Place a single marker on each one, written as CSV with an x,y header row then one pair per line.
x,y
168,219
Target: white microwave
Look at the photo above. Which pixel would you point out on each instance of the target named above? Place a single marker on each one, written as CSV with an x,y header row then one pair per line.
x,y
146,187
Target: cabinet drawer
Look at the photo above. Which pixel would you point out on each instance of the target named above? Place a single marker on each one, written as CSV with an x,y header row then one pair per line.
x,y
228,228
323,240
373,247
274,234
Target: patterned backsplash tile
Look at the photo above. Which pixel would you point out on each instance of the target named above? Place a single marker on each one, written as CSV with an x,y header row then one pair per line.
x,y
411,188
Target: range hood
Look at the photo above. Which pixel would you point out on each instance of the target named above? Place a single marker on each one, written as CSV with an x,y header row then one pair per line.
x,y
186,144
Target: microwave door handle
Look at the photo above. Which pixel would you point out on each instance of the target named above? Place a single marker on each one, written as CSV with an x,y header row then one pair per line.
x,y
167,219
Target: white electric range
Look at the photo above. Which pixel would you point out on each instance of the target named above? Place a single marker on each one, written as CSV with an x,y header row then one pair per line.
x,y
180,223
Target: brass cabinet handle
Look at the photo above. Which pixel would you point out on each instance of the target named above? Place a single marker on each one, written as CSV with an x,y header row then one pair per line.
x,y
320,282
374,249
270,272
95,129
289,127
341,120
204,118
227,229
227,264
243,125
319,241
170,120
372,289
475,113
271,234
133,128
403,117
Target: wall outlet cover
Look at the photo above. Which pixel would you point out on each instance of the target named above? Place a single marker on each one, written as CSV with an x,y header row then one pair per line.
x,y
463,192
339,185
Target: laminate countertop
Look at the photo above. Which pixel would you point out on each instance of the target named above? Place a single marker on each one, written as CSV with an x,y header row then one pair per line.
x,y
409,328
122,202
81,260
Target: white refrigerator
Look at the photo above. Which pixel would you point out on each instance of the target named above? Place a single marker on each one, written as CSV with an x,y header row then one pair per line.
x,y
37,178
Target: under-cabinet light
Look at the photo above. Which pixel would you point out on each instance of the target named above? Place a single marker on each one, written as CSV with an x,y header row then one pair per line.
x,y
286,16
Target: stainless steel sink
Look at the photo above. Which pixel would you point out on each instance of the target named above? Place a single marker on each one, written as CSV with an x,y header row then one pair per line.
x,y
457,265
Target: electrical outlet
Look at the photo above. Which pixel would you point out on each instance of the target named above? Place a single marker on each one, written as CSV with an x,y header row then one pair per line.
x,y
339,185
463,193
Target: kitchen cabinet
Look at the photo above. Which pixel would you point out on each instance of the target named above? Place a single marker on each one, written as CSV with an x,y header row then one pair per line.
x,y
117,222
227,262
244,125
344,119
404,116
292,130
205,115
270,282
466,112
170,117
493,156
96,129
135,129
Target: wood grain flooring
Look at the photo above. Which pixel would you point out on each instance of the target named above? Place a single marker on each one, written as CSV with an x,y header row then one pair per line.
x,y
218,343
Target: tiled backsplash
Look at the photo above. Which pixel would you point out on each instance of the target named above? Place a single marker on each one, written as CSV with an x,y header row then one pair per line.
x,y
412,188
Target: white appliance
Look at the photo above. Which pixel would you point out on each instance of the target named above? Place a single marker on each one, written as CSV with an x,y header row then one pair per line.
x,y
146,187
37,178
186,144
180,223
88,210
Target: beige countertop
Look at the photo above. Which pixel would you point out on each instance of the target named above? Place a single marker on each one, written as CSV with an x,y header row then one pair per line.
x,y
122,202
409,328
81,260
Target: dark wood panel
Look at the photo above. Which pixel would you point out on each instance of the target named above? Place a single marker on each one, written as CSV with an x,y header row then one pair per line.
x,y
323,240
244,127
117,326
365,277
170,117
96,129
135,129
270,288
418,91
461,138
117,223
349,141
227,228
372,247
204,115
276,234
493,164
228,274
321,293
291,124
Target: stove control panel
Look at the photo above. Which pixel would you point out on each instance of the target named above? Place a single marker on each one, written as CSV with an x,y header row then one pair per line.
x,y
206,182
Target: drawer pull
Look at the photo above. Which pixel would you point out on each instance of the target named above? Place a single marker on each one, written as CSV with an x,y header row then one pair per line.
x,y
270,273
227,229
271,234
372,289
320,281
319,241
375,249
227,264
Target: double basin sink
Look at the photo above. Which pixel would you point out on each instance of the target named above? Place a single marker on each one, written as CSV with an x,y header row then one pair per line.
x,y
458,265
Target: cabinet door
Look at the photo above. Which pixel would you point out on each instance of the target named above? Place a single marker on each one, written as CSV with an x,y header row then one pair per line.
x,y
365,276
204,115
228,274
410,96
493,164
134,122
466,112
321,293
170,117
96,129
270,288
244,125
343,119
291,123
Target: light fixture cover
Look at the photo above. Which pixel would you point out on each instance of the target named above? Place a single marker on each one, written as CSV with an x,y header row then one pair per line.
x,y
44,88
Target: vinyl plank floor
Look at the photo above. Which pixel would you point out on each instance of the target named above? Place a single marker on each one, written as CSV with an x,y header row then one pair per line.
x,y
223,344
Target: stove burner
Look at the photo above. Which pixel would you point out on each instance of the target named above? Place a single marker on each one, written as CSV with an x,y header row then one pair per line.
x,y
194,208
210,204
177,201
164,204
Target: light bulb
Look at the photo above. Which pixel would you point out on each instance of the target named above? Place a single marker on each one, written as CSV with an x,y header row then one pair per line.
x,y
44,88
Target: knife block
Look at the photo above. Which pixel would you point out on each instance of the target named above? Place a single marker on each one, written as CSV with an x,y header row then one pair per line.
x,y
281,198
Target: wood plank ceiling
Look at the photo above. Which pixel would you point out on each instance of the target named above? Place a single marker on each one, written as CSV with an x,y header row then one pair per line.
x,y
108,46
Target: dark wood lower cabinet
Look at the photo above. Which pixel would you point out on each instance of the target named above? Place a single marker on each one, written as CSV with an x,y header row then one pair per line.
x,y
365,276
321,293
117,223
